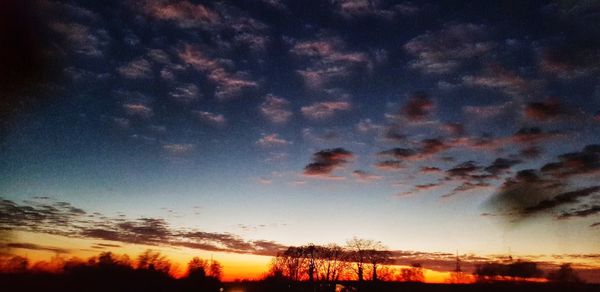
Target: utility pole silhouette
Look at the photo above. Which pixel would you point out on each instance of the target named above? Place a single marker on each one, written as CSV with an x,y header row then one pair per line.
x,y
457,268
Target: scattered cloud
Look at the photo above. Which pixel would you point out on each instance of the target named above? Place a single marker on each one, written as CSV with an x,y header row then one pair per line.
x,y
446,50
272,140
227,84
210,118
138,110
418,108
179,149
324,110
276,109
137,69
61,218
326,161
327,60
551,189
363,176
183,13
185,93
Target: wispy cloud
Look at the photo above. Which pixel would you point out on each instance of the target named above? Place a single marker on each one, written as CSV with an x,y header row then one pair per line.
x,y
272,140
137,69
210,118
446,50
324,110
61,218
276,109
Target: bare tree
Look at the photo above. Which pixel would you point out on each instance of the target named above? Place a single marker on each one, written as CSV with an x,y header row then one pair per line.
x,y
332,260
377,258
363,252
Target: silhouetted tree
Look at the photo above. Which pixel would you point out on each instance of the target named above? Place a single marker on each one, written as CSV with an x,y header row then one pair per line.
x,y
154,261
358,252
331,261
196,269
376,258
15,264
498,271
215,270
565,274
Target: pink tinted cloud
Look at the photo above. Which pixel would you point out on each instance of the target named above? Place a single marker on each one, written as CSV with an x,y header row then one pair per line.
x,y
324,110
137,69
183,13
228,84
272,140
210,118
138,110
276,109
363,176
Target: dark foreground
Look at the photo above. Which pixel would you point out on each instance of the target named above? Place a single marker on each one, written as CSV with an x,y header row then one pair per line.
x,y
156,282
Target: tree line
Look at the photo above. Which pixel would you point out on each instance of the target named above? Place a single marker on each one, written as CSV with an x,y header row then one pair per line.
x,y
368,260
150,271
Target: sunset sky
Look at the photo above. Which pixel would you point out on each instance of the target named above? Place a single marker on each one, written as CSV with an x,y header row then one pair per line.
x,y
234,129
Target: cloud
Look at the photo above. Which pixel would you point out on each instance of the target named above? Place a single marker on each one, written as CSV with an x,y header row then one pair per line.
x,y
367,126
82,39
532,135
185,93
544,111
586,161
488,111
374,8
272,140
467,187
227,84
428,147
210,118
363,176
389,165
276,109
571,59
446,50
430,169
33,246
137,69
531,152
497,77
501,164
324,110
138,110
454,129
183,13
326,161
61,218
561,199
327,60
418,108
179,149
564,189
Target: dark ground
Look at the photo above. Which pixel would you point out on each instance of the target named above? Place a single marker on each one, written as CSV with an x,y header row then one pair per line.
x,y
150,282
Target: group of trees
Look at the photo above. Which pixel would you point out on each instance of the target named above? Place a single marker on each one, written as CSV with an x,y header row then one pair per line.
x,y
368,260
148,260
523,270
150,271
360,259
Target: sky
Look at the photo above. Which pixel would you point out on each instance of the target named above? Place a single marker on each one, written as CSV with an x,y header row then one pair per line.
x,y
238,128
